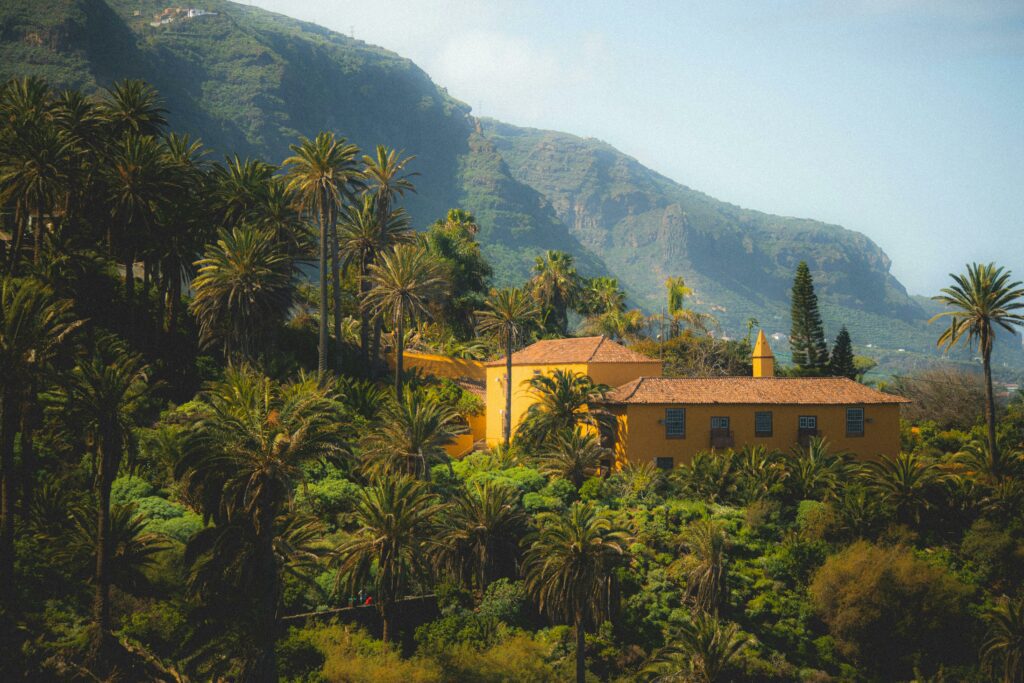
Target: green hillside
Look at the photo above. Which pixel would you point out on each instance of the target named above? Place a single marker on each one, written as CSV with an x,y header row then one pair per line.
x,y
252,81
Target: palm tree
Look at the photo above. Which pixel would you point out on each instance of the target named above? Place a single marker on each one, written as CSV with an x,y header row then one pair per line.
x,y
250,441
33,172
563,399
1003,649
412,434
244,288
322,172
981,300
138,181
102,396
702,548
981,463
760,472
405,283
575,455
905,482
239,190
393,516
702,651
679,314
509,316
815,472
133,106
480,533
569,568
363,236
34,326
557,286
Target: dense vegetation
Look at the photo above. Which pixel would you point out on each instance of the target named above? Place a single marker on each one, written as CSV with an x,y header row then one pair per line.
x,y
206,466
250,82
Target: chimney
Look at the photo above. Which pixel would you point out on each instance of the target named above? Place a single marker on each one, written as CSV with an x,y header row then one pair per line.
x,y
764,361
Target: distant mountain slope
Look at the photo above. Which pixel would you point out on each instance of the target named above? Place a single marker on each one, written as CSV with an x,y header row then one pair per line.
x,y
250,82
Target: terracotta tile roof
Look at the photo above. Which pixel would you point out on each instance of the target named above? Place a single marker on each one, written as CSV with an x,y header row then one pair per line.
x,y
575,350
749,390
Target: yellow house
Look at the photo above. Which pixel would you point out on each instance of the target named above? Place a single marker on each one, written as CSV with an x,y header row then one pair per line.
x,y
605,361
668,420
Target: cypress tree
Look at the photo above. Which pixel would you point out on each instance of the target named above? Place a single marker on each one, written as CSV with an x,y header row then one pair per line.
x,y
807,336
841,364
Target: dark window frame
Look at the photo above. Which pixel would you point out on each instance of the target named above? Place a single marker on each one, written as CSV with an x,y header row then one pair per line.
x,y
863,421
800,419
771,423
728,422
660,463
666,422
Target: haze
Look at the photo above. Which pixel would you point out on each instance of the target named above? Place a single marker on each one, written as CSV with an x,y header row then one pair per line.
x,y
902,120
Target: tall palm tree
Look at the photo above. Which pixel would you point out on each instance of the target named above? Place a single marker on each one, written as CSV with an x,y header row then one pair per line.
x,y
1002,653
509,316
394,517
34,325
702,561
701,651
238,190
563,400
569,568
387,179
905,482
405,283
980,301
102,396
138,181
134,106
573,455
322,172
251,439
363,236
480,533
557,286
244,288
411,435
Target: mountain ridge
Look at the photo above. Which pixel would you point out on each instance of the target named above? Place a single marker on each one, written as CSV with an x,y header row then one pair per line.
x,y
251,82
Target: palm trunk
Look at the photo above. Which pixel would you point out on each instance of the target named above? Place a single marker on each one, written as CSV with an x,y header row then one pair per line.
x,y
336,277
19,237
37,234
8,426
507,427
265,665
399,354
990,407
109,457
28,453
385,621
322,359
581,643
364,314
378,329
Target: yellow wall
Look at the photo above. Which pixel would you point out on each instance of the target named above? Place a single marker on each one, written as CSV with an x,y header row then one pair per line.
x,y
441,366
464,443
612,374
641,436
521,394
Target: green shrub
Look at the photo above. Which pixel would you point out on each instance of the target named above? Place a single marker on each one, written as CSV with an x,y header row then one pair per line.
x,y
125,490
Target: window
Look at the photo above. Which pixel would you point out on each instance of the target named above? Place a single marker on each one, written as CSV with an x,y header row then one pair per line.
x,y
809,422
763,423
664,463
720,423
675,423
855,422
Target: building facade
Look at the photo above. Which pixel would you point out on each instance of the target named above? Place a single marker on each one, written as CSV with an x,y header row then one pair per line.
x,y
603,360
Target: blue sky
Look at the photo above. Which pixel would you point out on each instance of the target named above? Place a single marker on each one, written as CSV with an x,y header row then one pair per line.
x,y
902,120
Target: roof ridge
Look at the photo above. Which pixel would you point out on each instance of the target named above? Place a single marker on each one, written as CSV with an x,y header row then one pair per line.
x,y
593,354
